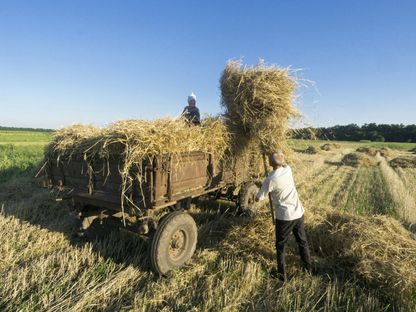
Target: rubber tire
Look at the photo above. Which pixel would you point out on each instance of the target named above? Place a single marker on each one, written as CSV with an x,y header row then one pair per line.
x,y
248,191
160,259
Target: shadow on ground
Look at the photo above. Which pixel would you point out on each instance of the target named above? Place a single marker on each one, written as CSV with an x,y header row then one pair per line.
x,y
23,197
220,227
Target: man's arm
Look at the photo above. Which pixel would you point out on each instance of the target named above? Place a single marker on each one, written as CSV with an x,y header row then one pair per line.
x,y
264,190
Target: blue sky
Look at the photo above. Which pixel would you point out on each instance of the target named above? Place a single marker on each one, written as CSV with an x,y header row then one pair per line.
x,y
63,62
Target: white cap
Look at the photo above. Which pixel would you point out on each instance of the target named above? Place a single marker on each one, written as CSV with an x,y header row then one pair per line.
x,y
192,96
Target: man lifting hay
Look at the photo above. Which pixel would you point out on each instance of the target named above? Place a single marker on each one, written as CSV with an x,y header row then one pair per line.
x,y
258,103
288,212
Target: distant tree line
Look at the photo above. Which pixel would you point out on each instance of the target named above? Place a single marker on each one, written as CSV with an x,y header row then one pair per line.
x,y
25,129
353,132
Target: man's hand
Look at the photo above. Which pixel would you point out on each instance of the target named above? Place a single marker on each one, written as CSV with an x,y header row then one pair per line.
x,y
257,199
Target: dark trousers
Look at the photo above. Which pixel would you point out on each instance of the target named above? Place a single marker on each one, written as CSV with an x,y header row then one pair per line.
x,y
283,229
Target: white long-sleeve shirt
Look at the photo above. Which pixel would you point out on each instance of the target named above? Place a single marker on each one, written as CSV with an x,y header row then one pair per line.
x,y
281,186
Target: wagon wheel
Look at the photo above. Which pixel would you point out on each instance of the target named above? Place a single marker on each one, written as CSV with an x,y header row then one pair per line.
x,y
247,199
173,243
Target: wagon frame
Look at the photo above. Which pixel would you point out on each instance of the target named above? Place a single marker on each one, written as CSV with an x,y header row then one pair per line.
x,y
156,201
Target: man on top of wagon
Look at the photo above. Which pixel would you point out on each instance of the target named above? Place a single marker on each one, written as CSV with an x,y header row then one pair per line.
x,y
191,112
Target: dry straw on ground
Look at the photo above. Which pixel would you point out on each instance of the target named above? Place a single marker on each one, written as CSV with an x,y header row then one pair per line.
x,y
403,162
358,159
384,151
330,146
402,193
367,150
372,151
258,103
311,150
379,250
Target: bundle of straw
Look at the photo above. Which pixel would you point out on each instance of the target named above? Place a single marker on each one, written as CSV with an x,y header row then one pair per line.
x,y
372,151
258,103
330,146
403,162
358,159
311,150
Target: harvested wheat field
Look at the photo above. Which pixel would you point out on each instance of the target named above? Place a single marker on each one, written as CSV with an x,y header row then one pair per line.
x,y
360,214
152,161
357,221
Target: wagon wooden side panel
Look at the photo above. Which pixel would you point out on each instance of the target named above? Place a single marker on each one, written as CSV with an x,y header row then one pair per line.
x,y
163,185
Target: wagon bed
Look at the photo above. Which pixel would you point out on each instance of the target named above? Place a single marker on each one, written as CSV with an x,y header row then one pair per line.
x,y
161,186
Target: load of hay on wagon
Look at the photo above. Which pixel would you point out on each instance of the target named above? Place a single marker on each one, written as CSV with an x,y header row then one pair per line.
x,y
257,102
134,141
137,139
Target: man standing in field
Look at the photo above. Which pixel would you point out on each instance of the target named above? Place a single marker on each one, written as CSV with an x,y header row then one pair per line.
x,y
191,112
288,212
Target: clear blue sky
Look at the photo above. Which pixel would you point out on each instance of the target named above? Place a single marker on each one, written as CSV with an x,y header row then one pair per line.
x,y
63,62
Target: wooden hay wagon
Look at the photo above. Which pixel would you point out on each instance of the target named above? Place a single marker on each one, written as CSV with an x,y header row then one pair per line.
x,y
154,203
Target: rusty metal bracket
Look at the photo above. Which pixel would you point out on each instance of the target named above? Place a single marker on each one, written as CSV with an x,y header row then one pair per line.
x,y
169,171
270,195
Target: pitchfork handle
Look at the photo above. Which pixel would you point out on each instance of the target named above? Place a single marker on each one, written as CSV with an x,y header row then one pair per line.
x,y
270,195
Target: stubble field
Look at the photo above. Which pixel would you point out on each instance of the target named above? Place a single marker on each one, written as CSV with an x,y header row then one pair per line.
x,y
43,268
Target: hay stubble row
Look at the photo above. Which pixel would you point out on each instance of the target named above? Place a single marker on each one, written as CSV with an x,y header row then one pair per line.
x,y
365,257
229,270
